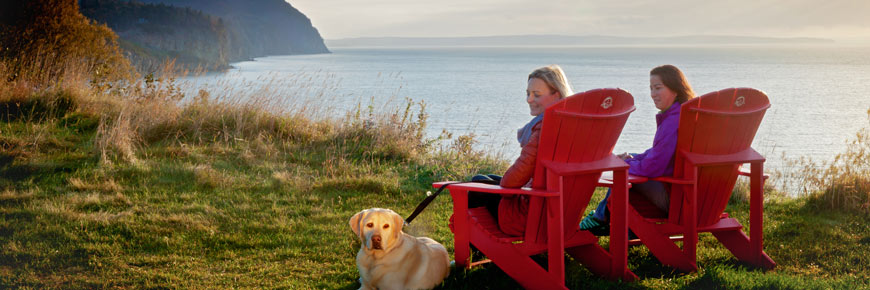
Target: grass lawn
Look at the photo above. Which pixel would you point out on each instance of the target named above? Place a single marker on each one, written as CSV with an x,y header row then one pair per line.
x,y
273,213
112,181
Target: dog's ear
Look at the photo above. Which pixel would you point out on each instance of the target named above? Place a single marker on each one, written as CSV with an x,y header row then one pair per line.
x,y
398,223
354,222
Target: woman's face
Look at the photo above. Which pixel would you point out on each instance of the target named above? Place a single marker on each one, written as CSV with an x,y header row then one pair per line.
x,y
662,96
540,96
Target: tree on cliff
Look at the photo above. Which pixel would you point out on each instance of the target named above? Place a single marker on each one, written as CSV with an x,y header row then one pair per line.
x,y
49,41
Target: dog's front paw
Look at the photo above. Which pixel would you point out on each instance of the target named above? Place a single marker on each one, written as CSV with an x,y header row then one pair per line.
x,y
364,286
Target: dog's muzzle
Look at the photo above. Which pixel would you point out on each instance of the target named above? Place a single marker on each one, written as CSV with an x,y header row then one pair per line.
x,y
376,242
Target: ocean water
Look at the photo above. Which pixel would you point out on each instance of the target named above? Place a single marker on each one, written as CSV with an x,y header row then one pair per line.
x,y
819,94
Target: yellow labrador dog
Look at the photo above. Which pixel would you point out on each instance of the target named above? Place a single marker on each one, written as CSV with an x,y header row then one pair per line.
x,y
391,259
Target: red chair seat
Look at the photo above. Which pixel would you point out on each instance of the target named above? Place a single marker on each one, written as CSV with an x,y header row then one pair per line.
x,y
645,207
484,220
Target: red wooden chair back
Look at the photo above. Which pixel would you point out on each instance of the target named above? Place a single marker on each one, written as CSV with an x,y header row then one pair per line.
x,y
716,123
568,127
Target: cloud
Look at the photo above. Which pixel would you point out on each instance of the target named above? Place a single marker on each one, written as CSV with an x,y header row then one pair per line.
x,y
353,18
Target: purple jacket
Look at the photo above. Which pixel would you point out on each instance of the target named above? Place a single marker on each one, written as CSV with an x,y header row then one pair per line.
x,y
659,160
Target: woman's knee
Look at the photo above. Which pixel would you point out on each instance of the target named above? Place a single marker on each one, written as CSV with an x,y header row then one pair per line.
x,y
656,192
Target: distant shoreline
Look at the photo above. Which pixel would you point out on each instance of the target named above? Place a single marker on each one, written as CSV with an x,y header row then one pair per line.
x,y
568,41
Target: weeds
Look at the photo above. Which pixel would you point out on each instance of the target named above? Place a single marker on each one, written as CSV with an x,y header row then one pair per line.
x,y
839,184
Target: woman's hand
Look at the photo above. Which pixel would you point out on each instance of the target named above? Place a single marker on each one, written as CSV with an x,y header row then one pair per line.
x,y
624,156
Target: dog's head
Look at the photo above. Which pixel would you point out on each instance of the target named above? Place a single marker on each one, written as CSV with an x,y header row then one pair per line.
x,y
377,228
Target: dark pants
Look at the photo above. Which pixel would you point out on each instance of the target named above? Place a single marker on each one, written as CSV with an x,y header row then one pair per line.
x,y
653,190
488,200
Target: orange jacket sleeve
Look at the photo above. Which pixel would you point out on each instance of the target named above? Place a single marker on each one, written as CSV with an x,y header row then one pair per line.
x,y
524,167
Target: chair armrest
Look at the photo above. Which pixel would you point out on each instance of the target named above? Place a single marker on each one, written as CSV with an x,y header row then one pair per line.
x,y
495,189
745,156
668,179
606,179
608,163
747,172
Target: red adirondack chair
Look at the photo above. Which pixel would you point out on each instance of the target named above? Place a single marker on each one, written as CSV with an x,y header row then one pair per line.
x,y
577,139
714,137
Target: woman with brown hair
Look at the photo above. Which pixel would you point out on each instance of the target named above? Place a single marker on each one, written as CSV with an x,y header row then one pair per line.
x,y
669,89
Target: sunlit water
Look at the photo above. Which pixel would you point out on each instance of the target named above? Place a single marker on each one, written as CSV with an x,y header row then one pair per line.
x,y
819,95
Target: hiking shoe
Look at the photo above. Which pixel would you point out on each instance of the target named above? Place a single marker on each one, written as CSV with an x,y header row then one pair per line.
x,y
590,221
595,226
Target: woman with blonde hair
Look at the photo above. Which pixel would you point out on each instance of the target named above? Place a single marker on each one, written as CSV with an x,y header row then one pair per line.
x,y
546,85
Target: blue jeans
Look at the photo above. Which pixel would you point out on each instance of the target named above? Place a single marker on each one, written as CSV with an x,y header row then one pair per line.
x,y
655,191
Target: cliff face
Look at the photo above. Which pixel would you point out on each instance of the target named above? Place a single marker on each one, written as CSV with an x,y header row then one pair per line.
x,y
260,27
206,33
151,34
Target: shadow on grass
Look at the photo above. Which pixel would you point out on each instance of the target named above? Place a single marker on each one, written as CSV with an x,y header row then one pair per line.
x,y
17,173
489,276
16,170
482,277
52,249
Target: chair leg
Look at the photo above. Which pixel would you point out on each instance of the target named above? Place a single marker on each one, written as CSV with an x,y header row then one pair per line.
x,y
619,223
690,250
518,266
599,261
556,239
660,245
739,244
756,217
461,246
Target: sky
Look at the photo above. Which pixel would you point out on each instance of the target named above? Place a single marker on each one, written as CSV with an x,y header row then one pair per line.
x,y
842,20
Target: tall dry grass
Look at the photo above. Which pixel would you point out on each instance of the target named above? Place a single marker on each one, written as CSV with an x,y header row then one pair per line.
x,y
263,117
842,183
161,109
